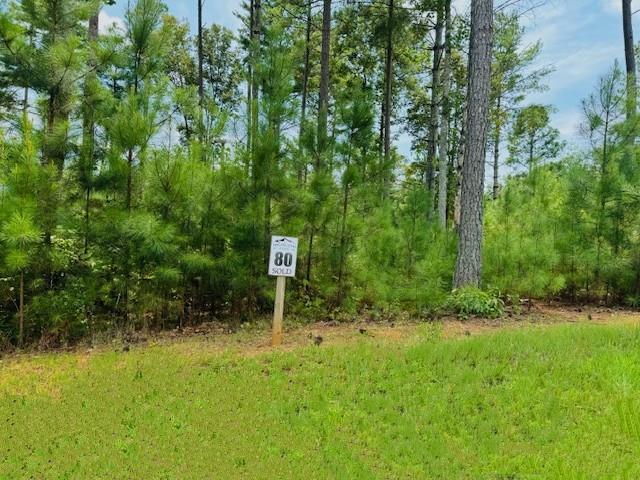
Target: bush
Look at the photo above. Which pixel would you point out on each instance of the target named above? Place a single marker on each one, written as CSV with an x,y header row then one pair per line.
x,y
473,301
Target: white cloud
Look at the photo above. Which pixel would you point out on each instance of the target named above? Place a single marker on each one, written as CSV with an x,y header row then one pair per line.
x,y
108,21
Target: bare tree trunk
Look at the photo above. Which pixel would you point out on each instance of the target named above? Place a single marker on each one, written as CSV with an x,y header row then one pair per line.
x,y
388,81
630,59
497,138
381,131
25,101
250,77
88,127
323,105
435,100
443,149
200,57
459,164
323,114
469,261
302,173
255,89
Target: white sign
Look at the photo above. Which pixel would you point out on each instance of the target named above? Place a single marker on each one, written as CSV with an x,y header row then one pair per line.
x,y
283,257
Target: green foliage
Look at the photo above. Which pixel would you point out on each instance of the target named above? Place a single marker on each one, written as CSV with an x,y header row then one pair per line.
x,y
136,199
532,140
520,251
471,301
410,266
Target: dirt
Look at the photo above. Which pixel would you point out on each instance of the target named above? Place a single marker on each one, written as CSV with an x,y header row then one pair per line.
x,y
256,339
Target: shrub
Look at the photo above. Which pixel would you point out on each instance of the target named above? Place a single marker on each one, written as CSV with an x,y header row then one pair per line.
x,y
473,301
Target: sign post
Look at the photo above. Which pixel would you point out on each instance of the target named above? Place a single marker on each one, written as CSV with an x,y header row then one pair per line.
x,y
282,264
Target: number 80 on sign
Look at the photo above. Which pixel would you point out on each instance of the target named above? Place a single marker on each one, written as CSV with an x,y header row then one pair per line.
x,y
282,259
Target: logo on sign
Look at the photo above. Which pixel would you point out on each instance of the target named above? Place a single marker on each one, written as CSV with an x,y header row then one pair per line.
x,y
282,260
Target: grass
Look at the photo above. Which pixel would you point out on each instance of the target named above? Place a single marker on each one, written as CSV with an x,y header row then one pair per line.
x,y
561,402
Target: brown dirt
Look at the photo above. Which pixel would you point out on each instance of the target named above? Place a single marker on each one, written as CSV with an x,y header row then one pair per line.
x,y
255,339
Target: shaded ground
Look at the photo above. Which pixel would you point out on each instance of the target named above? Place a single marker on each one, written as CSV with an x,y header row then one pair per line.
x,y
255,338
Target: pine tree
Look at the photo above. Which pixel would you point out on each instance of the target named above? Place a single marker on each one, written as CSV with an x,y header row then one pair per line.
x,y
469,263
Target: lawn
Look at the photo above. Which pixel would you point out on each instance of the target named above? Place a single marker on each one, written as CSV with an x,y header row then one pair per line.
x,y
557,402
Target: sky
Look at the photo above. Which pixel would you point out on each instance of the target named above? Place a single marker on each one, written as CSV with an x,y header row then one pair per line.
x,y
581,40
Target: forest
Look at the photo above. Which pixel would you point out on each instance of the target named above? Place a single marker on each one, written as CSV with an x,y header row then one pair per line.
x,y
145,165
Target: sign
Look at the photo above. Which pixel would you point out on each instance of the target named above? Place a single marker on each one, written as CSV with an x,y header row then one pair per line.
x,y
283,257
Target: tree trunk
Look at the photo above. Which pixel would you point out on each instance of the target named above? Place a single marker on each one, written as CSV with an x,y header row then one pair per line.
x,y
302,172
323,105
630,59
343,224
435,101
443,149
307,274
255,81
381,131
88,127
497,138
388,92
200,57
323,114
25,99
343,240
469,261
459,164
250,77
257,32
21,312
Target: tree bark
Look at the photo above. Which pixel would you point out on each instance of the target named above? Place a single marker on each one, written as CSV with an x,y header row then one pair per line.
x,y
443,149
250,77
323,114
323,105
435,101
388,81
497,137
302,173
469,261
630,59
94,26
88,127
255,89
343,222
25,98
200,57
459,164
21,312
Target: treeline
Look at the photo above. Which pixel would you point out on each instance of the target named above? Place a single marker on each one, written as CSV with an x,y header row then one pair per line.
x,y
144,168
570,228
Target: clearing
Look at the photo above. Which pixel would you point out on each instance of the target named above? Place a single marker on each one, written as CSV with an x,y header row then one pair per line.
x,y
554,395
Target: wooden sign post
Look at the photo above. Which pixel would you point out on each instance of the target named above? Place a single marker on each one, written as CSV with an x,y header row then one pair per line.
x,y
282,264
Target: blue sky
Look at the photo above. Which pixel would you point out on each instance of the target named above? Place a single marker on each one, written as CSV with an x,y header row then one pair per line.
x,y
581,39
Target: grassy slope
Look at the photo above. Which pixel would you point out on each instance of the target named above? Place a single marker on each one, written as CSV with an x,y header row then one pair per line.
x,y
562,402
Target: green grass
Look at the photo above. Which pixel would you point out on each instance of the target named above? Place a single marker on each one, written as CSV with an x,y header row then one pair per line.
x,y
560,402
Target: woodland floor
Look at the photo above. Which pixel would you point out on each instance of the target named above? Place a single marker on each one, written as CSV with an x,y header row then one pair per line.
x,y
255,338
551,393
